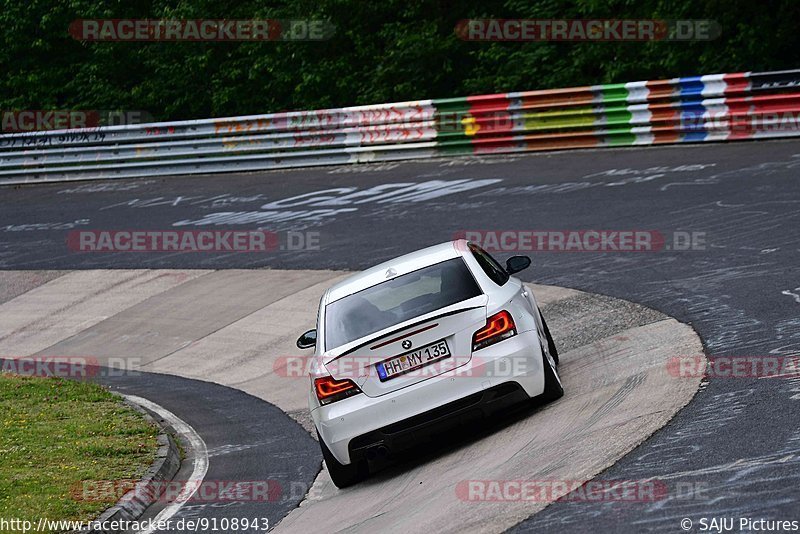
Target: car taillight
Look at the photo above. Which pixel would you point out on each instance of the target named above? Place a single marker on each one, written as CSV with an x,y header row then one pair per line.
x,y
330,390
498,327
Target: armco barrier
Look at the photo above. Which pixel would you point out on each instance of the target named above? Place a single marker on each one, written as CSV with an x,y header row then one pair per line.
x,y
715,107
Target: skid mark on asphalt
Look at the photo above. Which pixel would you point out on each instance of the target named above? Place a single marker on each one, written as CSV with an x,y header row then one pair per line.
x,y
246,353
65,306
631,383
16,283
639,397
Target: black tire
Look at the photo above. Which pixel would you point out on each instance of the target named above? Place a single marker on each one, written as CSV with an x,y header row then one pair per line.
x,y
550,343
342,475
552,383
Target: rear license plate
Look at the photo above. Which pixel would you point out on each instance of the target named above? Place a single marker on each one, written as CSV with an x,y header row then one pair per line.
x,y
410,361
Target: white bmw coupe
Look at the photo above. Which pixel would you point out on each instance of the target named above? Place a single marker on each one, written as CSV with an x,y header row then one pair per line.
x,y
418,344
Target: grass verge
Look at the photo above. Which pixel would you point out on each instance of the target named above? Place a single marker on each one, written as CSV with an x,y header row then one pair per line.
x,y
58,438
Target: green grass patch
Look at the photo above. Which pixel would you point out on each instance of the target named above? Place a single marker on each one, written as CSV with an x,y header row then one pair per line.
x,y
58,438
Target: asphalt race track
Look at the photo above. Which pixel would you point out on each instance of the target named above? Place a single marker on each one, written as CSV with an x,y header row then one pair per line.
x,y
735,447
239,430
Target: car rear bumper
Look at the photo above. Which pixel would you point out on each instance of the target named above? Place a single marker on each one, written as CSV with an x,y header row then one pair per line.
x,y
414,430
495,377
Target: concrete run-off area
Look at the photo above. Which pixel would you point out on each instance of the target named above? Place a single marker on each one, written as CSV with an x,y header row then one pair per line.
x,y
238,327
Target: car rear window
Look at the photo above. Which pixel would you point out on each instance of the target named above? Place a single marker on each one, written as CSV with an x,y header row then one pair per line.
x,y
398,300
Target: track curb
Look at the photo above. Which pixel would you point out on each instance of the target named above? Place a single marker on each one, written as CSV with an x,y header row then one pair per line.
x,y
135,502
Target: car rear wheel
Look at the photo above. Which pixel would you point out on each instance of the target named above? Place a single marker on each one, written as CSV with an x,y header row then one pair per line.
x,y
552,382
342,475
550,343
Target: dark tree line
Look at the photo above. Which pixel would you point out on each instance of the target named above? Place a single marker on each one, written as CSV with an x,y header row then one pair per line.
x,y
384,51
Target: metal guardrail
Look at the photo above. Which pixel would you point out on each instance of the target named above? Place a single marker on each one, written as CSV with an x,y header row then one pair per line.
x,y
715,107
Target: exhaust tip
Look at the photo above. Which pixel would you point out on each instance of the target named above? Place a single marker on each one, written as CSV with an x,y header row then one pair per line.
x,y
376,451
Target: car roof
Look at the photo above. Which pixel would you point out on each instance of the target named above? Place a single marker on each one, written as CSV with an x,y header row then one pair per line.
x,y
400,266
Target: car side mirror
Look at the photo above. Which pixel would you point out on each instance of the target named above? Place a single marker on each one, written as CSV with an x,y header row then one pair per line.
x,y
308,340
515,264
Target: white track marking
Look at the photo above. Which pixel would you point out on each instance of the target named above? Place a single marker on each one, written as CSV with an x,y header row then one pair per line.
x,y
795,296
200,458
